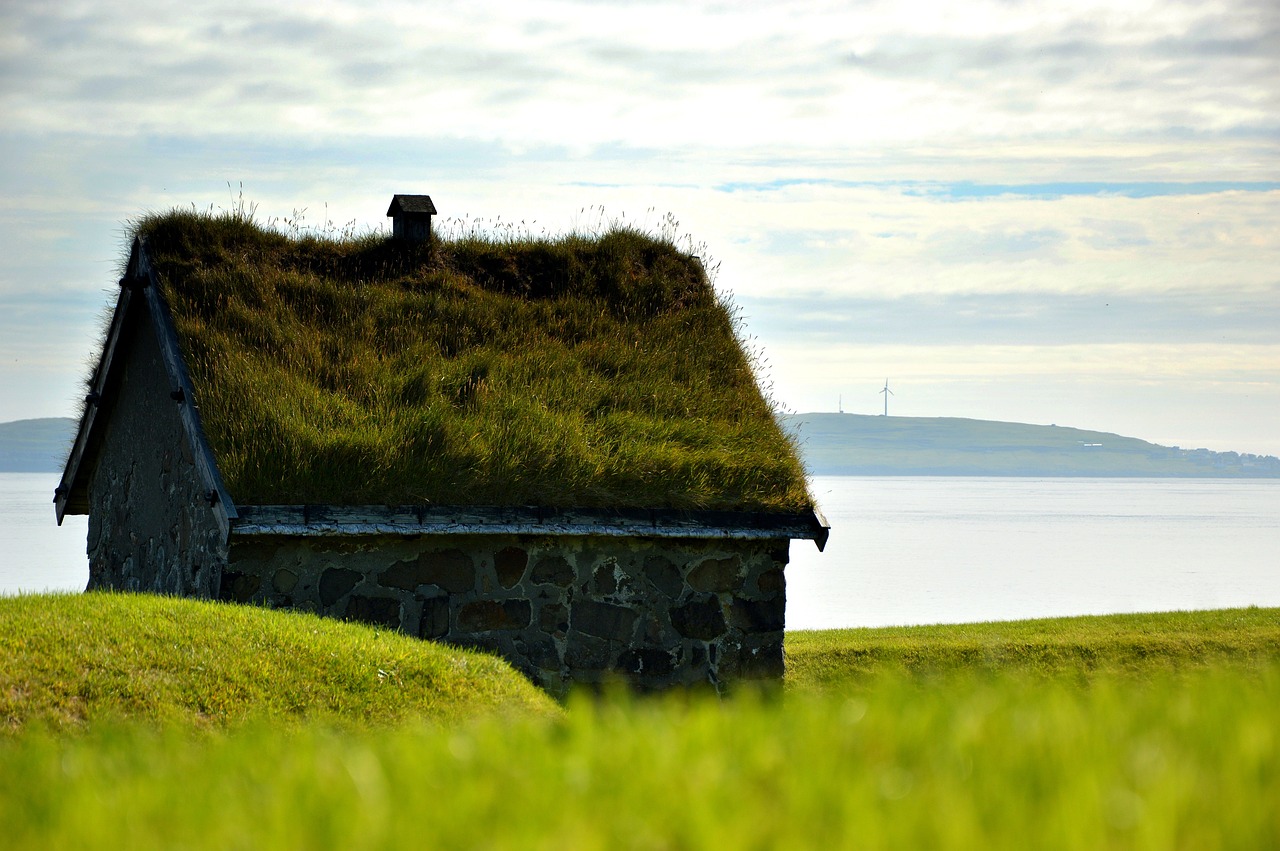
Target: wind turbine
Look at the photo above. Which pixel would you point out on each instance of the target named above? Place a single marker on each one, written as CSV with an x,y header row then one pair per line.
x,y
887,393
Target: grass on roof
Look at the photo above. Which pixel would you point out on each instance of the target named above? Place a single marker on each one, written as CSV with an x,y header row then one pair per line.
x,y
571,372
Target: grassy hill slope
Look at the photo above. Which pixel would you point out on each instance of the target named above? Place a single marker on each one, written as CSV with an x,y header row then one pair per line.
x,y
1125,732
69,660
1076,647
859,444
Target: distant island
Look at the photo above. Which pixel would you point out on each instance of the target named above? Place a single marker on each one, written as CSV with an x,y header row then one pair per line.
x,y
862,445
35,446
867,445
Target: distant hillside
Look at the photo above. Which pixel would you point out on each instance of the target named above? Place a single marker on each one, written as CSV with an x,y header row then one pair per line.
x,y
863,445
35,446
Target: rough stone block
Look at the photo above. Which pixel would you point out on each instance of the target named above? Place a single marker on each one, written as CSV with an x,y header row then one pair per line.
x,y
378,611
498,643
552,570
452,570
553,618
700,618
653,628
616,623
284,581
758,657
485,615
763,663
650,663
584,652
758,615
699,666
239,587
335,583
539,651
604,578
772,582
716,574
435,617
509,563
663,574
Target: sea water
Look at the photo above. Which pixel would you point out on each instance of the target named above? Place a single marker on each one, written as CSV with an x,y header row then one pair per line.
x,y
35,553
917,550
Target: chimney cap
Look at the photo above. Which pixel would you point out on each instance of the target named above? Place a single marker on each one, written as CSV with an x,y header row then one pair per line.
x,y
411,204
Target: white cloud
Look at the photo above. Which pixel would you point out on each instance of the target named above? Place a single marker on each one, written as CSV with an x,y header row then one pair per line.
x,y
839,158
813,76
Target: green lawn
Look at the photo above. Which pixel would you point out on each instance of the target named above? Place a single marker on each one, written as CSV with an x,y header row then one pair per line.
x,y
1075,649
74,659
1153,731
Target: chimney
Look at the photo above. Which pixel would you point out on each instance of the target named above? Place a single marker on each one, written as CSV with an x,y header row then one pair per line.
x,y
411,217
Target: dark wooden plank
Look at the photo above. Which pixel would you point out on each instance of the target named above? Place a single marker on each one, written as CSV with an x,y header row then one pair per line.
x,y
324,520
171,352
63,496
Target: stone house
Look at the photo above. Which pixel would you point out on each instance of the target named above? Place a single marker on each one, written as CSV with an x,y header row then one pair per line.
x,y
656,594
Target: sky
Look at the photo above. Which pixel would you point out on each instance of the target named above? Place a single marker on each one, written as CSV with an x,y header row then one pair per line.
x,y
1039,212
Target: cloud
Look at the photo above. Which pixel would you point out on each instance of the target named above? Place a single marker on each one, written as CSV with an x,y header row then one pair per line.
x,y
1053,175
1131,67
1005,244
1113,235
968,190
1220,316
816,76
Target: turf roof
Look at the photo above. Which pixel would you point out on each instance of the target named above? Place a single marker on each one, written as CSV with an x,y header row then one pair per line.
x,y
597,372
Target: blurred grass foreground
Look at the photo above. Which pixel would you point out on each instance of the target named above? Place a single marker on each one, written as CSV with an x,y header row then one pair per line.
x,y
157,722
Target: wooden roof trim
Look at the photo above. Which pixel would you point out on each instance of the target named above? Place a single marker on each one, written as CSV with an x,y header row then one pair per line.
x,y
180,379
62,496
339,520
420,205
139,284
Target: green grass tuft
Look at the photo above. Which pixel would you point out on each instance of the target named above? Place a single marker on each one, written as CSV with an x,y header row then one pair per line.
x,y
572,372
68,661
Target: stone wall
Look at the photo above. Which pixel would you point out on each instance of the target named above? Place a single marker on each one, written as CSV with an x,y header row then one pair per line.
x,y
656,613
150,528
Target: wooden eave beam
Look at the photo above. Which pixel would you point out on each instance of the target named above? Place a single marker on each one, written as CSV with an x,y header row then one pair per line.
x,y
340,520
69,497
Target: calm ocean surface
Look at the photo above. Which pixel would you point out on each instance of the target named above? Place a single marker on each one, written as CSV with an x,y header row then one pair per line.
x,y
35,553
954,550
918,550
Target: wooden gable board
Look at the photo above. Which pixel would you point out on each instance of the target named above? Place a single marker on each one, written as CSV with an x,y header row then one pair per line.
x,y
139,293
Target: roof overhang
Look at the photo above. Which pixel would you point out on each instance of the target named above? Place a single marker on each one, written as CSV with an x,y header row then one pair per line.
x,y
139,308
411,205
339,521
